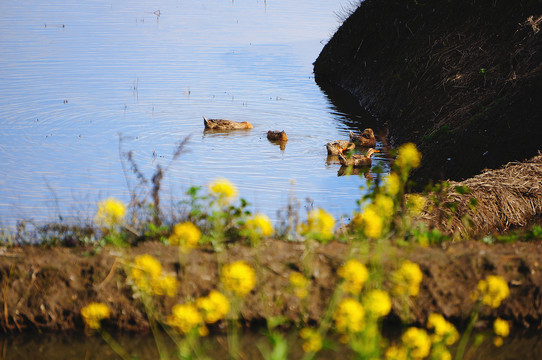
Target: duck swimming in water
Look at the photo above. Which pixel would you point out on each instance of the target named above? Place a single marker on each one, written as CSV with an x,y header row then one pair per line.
x,y
339,146
366,139
223,124
357,160
277,135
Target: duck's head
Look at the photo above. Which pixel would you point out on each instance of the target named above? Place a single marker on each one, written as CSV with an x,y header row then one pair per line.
x,y
368,133
371,151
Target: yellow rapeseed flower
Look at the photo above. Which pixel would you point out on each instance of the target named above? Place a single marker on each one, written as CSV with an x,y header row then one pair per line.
x,y
146,273
186,235
214,306
110,212
164,285
354,274
443,330
408,156
93,313
349,316
377,303
492,290
501,327
415,204
319,224
371,223
299,284
223,190
417,342
383,205
185,318
407,279
313,339
238,277
498,341
392,184
260,225
396,353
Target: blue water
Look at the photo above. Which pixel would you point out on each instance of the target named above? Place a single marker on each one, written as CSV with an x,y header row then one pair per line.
x,y
75,75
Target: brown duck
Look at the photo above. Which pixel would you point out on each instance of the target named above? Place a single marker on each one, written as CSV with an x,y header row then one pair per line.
x,y
223,124
366,139
277,135
339,146
357,160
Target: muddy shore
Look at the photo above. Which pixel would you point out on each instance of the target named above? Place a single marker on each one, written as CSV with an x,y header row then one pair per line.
x,y
45,288
462,80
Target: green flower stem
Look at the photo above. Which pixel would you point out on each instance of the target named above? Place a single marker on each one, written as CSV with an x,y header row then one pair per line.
x,y
114,345
466,335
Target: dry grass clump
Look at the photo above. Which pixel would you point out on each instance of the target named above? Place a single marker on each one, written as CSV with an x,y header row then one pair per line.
x,y
505,198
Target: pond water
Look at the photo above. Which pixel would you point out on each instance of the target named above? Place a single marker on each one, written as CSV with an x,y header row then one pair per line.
x,y
75,75
525,345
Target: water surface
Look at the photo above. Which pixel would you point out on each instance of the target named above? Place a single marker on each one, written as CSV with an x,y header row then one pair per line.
x,y
75,75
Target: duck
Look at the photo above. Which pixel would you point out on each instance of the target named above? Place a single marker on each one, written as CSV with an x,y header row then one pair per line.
x,y
223,124
366,139
277,135
357,160
339,146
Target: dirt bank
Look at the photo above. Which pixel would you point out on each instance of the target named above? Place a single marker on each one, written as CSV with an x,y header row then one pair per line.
x,y
45,288
463,80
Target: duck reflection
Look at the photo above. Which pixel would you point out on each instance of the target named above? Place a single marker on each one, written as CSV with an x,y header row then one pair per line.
x,y
349,170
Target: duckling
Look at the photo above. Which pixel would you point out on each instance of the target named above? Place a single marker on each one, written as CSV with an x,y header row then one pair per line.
x,y
357,160
277,135
366,139
223,124
339,146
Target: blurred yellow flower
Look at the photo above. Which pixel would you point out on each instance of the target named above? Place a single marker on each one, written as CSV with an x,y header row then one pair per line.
x,y
384,205
396,353
319,224
492,290
354,274
371,223
299,284
224,190
185,318
238,277
110,212
349,316
377,303
501,327
313,339
93,313
407,279
408,156
186,235
417,342
214,306
260,225
443,330
392,184
498,341
146,273
415,204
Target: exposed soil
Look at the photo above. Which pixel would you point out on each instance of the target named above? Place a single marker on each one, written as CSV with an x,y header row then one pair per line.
x,y
45,288
462,80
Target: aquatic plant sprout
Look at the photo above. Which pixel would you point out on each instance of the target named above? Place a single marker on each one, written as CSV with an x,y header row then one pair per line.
x,y
110,213
238,277
93,313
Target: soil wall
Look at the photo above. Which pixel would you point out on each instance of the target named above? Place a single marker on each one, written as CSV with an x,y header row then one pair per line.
x,y
461,79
